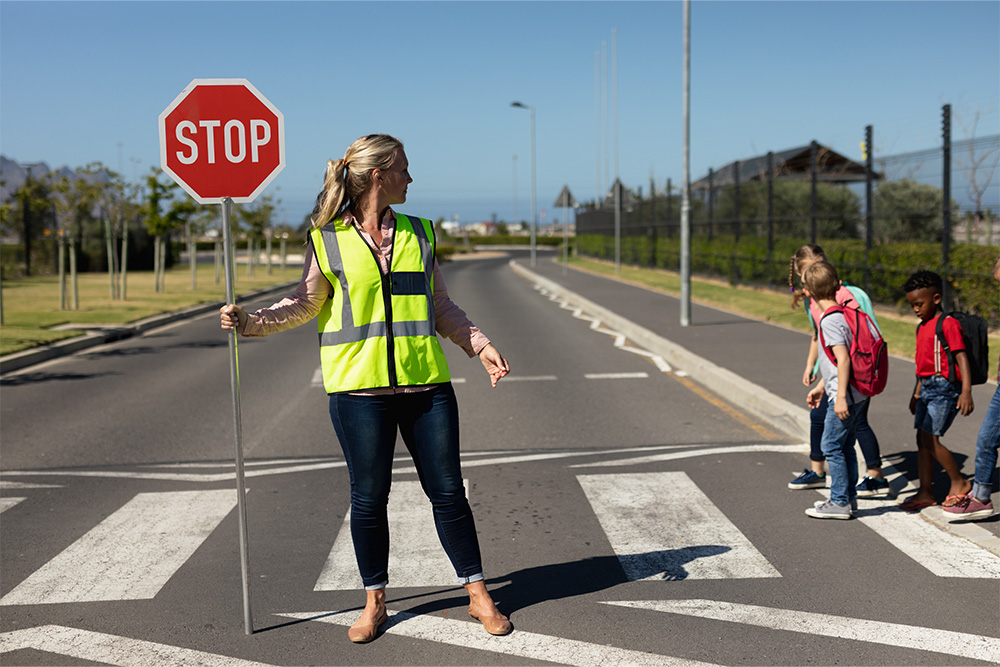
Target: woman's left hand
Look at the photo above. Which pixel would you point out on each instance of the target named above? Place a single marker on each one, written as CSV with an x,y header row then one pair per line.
x,y
494,363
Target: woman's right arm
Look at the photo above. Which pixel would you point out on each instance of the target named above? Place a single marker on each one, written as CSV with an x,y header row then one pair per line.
x,y
297,308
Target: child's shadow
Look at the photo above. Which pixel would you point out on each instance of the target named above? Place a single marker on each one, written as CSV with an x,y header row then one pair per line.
x,y
530,586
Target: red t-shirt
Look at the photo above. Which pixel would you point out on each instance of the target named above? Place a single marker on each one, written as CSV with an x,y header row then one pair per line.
x,y
930,356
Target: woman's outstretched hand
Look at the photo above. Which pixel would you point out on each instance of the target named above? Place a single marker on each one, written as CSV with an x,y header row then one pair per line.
x,y
494,363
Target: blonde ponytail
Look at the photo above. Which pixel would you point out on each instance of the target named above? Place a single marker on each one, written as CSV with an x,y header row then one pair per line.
x,y
349,178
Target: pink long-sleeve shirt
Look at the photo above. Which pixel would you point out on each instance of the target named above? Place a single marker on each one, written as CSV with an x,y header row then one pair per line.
x,y
314,289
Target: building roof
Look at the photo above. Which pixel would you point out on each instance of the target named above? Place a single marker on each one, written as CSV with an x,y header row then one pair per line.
x,y
791,164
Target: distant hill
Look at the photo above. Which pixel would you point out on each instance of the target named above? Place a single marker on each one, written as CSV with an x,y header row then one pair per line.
x,y
13,175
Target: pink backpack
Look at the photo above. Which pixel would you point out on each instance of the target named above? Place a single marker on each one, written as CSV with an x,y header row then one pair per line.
x,y
868,352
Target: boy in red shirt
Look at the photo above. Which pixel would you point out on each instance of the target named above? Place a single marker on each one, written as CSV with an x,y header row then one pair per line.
x,y
936,398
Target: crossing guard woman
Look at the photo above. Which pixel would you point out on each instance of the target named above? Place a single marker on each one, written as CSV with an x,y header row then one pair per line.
x,y
372,280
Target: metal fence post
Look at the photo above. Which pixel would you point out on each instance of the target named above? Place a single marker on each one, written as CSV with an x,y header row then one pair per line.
x,y
770,206
869,205
813,204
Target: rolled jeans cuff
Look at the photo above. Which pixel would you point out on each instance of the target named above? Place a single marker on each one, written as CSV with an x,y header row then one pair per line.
x,y
375,587
981,492
472,578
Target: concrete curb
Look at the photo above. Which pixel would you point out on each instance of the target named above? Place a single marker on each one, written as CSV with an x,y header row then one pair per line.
x,y
20,360
775,410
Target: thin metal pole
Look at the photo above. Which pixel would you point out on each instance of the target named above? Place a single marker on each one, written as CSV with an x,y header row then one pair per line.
x,y
946,203
614,128
534,208
685,194
869,203
234,375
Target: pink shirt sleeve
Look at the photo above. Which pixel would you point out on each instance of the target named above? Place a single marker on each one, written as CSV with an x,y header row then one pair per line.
x,y
297,308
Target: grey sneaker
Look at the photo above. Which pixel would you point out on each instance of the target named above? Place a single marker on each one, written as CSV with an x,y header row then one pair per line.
x,y
854,505
829,510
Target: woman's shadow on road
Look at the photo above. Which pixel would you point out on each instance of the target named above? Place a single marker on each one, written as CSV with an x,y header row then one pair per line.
x,y
555,581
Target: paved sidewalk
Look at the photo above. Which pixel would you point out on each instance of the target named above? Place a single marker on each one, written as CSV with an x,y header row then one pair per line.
x,y
759,366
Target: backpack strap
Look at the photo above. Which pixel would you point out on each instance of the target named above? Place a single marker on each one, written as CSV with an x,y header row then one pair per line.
x,y
819,329
952,362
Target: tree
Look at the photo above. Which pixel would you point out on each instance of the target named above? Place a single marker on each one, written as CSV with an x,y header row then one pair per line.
x,y
29,214
838,216
908,211
257,218
161,223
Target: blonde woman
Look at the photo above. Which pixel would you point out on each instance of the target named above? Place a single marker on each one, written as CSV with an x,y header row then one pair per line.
x,y
372,280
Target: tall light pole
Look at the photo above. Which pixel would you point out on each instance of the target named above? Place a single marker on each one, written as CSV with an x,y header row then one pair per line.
x,y
534,209
685,195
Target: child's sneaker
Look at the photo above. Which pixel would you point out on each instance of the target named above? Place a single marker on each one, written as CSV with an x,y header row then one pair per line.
x,y
854,505
969,508
872,486
829,510
808,480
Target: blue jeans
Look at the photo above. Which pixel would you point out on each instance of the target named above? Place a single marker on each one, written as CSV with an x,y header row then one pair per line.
x,y
841,459
428,422
937,406
986,449
866,437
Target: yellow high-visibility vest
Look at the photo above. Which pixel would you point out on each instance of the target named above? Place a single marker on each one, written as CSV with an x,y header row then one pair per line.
x,y
378,331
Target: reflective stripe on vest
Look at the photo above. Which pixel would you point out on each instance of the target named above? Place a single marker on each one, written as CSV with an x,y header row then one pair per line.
x,y
357,349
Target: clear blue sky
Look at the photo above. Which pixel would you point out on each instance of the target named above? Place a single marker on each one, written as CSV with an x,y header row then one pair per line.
x,y
85,81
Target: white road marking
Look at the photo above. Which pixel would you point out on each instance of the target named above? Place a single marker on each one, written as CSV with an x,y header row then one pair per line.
x,y
691,453
616,376
181,477
131,554
416,557
596,325
529,378
317,378
975,647
662,527
520,643
108,649
17,486
7,503
527,458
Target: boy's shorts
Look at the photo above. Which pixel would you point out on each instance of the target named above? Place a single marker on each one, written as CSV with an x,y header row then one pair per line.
x,y
937,406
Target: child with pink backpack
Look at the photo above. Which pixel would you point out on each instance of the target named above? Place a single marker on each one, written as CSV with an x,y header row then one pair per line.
x,y
814,477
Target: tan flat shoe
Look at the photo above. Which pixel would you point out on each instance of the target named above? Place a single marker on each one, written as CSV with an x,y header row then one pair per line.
x,y
494,625
362,633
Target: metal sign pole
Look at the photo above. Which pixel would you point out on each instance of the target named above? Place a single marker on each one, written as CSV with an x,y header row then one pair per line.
x,y
234,374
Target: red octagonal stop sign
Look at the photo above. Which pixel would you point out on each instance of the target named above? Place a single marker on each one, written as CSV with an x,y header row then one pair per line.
x,y
221,138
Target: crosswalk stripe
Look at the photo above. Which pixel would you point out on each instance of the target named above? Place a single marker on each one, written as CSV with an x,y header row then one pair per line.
x,y
132,553
98,647
662,526
416,557
975,647
691,453
944,554
520,643
7,503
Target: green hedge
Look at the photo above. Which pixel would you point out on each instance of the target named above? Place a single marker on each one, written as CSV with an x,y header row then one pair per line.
x,y
973,288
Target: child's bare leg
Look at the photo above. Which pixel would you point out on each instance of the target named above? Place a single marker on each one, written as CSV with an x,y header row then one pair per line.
x,y
818,467
959,485
925,467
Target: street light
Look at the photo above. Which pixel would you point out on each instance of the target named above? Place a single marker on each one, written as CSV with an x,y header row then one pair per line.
x,y
534,209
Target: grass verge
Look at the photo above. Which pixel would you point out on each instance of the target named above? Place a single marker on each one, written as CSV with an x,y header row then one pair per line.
x,y
768,305
31,307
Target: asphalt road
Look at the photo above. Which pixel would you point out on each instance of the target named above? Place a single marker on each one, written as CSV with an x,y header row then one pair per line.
x,y
626,516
